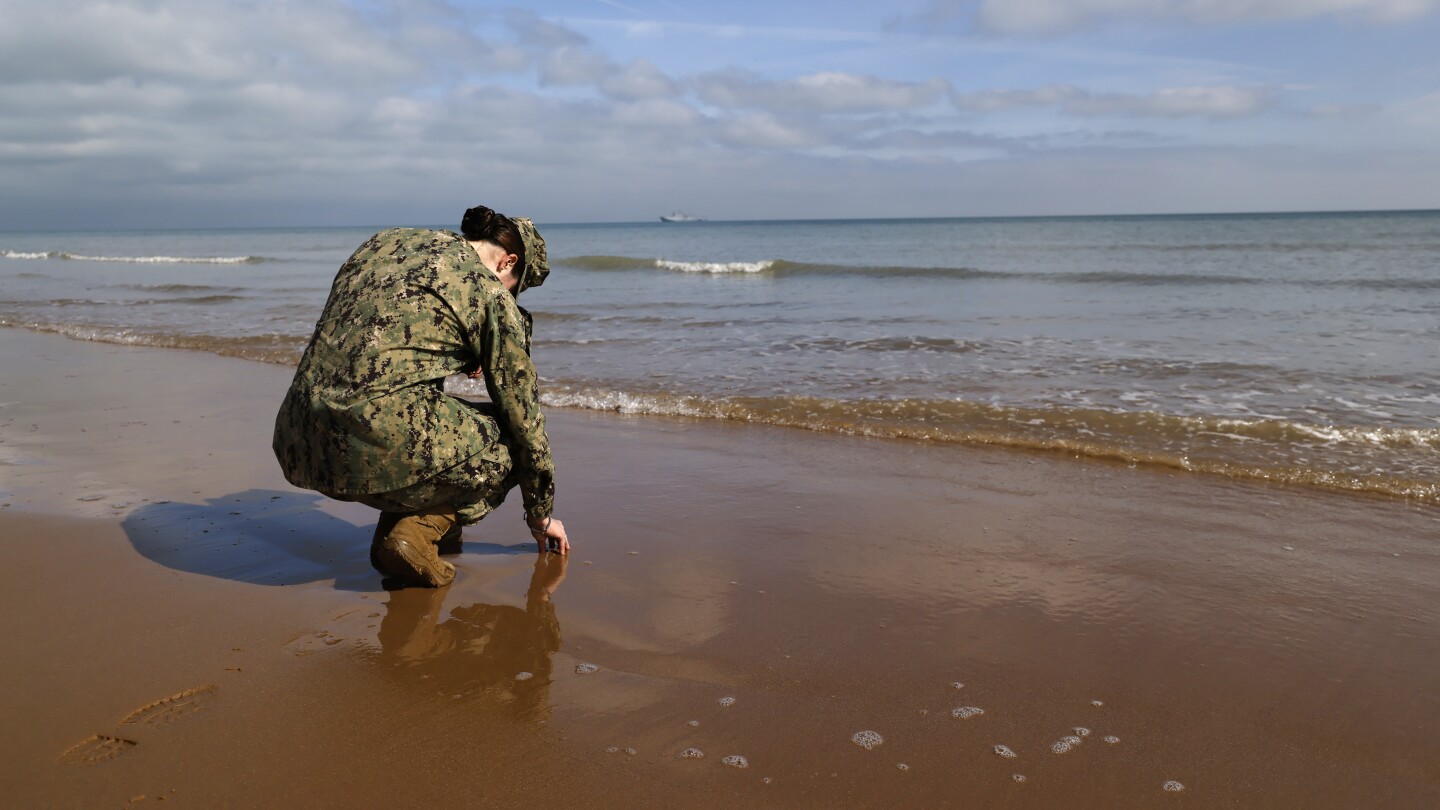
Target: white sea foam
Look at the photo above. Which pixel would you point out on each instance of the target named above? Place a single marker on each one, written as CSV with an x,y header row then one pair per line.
x,y
60,254
619,402
867,739
715,267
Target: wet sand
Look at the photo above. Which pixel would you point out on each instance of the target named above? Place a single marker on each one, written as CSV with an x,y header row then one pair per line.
x,y
181,625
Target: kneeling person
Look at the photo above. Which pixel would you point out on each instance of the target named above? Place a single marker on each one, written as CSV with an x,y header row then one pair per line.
x,y
367,419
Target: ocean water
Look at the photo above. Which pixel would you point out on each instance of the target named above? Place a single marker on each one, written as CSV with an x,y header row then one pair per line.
x,y
1298,348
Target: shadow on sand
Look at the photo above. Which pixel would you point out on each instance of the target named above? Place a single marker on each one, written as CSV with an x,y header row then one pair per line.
x,y
265,537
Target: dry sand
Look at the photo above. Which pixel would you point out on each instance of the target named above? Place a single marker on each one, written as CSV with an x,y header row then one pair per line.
x,y
181,626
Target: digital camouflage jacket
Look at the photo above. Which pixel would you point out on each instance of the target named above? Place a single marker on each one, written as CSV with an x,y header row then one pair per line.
x,y
367,413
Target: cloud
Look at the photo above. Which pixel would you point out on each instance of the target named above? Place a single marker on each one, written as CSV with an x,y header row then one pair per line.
x,y
825,92
1025,17
997,100
1215,101
572,65
534,31
766,131
1177,102
333,111
638,80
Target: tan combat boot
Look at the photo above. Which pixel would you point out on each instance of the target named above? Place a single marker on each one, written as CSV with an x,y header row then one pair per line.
x,y
404,546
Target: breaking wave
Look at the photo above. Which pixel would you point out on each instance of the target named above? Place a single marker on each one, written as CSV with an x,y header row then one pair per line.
x,y
66,255
1270,450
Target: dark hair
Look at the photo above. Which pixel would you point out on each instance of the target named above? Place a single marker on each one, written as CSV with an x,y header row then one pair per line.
x,y
481,224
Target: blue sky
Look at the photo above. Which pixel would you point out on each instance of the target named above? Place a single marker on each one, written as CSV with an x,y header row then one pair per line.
x,y
257,112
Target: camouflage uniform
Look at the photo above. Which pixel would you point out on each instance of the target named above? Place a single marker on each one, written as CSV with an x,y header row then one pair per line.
x,y
366,418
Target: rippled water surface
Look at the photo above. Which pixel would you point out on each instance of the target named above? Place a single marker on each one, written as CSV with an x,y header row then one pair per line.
x,y
1296,348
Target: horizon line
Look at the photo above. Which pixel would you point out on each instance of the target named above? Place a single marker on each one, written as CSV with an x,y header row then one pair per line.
x,y
705,220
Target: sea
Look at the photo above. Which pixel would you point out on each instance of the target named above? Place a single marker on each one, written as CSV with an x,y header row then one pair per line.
x,y
1302,349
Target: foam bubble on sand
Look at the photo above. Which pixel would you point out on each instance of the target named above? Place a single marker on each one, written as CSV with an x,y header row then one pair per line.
x,y
957,685
1060,747
692,753
902,766
966,712
867,739
1004,751
735,761
1071,739
524,676
1018,777
727,701
630,752
1097,703
1173,786
1082,731
586,669
1112,739
614,749
693,724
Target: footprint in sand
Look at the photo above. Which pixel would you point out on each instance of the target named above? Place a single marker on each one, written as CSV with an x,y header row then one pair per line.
x,y
167,710
95,749
98,748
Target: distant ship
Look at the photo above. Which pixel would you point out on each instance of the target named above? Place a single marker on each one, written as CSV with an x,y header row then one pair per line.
x,y
680,216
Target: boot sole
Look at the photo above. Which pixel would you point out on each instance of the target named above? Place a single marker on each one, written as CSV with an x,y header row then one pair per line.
x,y
400,559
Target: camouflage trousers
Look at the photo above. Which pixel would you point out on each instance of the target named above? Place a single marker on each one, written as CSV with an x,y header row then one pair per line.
x,y
473,488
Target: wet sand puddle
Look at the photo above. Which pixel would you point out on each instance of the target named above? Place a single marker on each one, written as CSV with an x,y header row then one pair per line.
x,y
506,661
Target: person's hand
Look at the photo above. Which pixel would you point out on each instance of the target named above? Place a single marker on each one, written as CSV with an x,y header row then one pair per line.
x,y
549,534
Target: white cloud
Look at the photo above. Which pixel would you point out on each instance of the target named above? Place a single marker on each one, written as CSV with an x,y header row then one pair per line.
x,y
827,92
996,100
1216,101
765,131
656,113
1055,16
252,111
1177,102
569,66
638,80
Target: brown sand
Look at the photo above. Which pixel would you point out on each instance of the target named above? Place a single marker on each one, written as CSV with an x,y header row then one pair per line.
x,y
181,625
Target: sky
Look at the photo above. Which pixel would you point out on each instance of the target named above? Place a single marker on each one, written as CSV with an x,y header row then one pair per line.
x,y
241,113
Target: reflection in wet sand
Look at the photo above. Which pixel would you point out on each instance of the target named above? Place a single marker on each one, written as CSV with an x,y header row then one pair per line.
x,y
499,651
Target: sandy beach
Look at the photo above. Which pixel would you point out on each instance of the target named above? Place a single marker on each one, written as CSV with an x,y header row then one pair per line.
x,y
183,628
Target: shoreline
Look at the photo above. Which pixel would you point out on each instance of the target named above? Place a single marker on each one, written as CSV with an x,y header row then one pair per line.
x,y
982,426
1241,638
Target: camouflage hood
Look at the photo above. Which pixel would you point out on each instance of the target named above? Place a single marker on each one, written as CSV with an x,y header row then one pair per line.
x,y
537,264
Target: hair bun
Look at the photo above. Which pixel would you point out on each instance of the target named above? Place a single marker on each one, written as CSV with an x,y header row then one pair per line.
x,y
481,222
